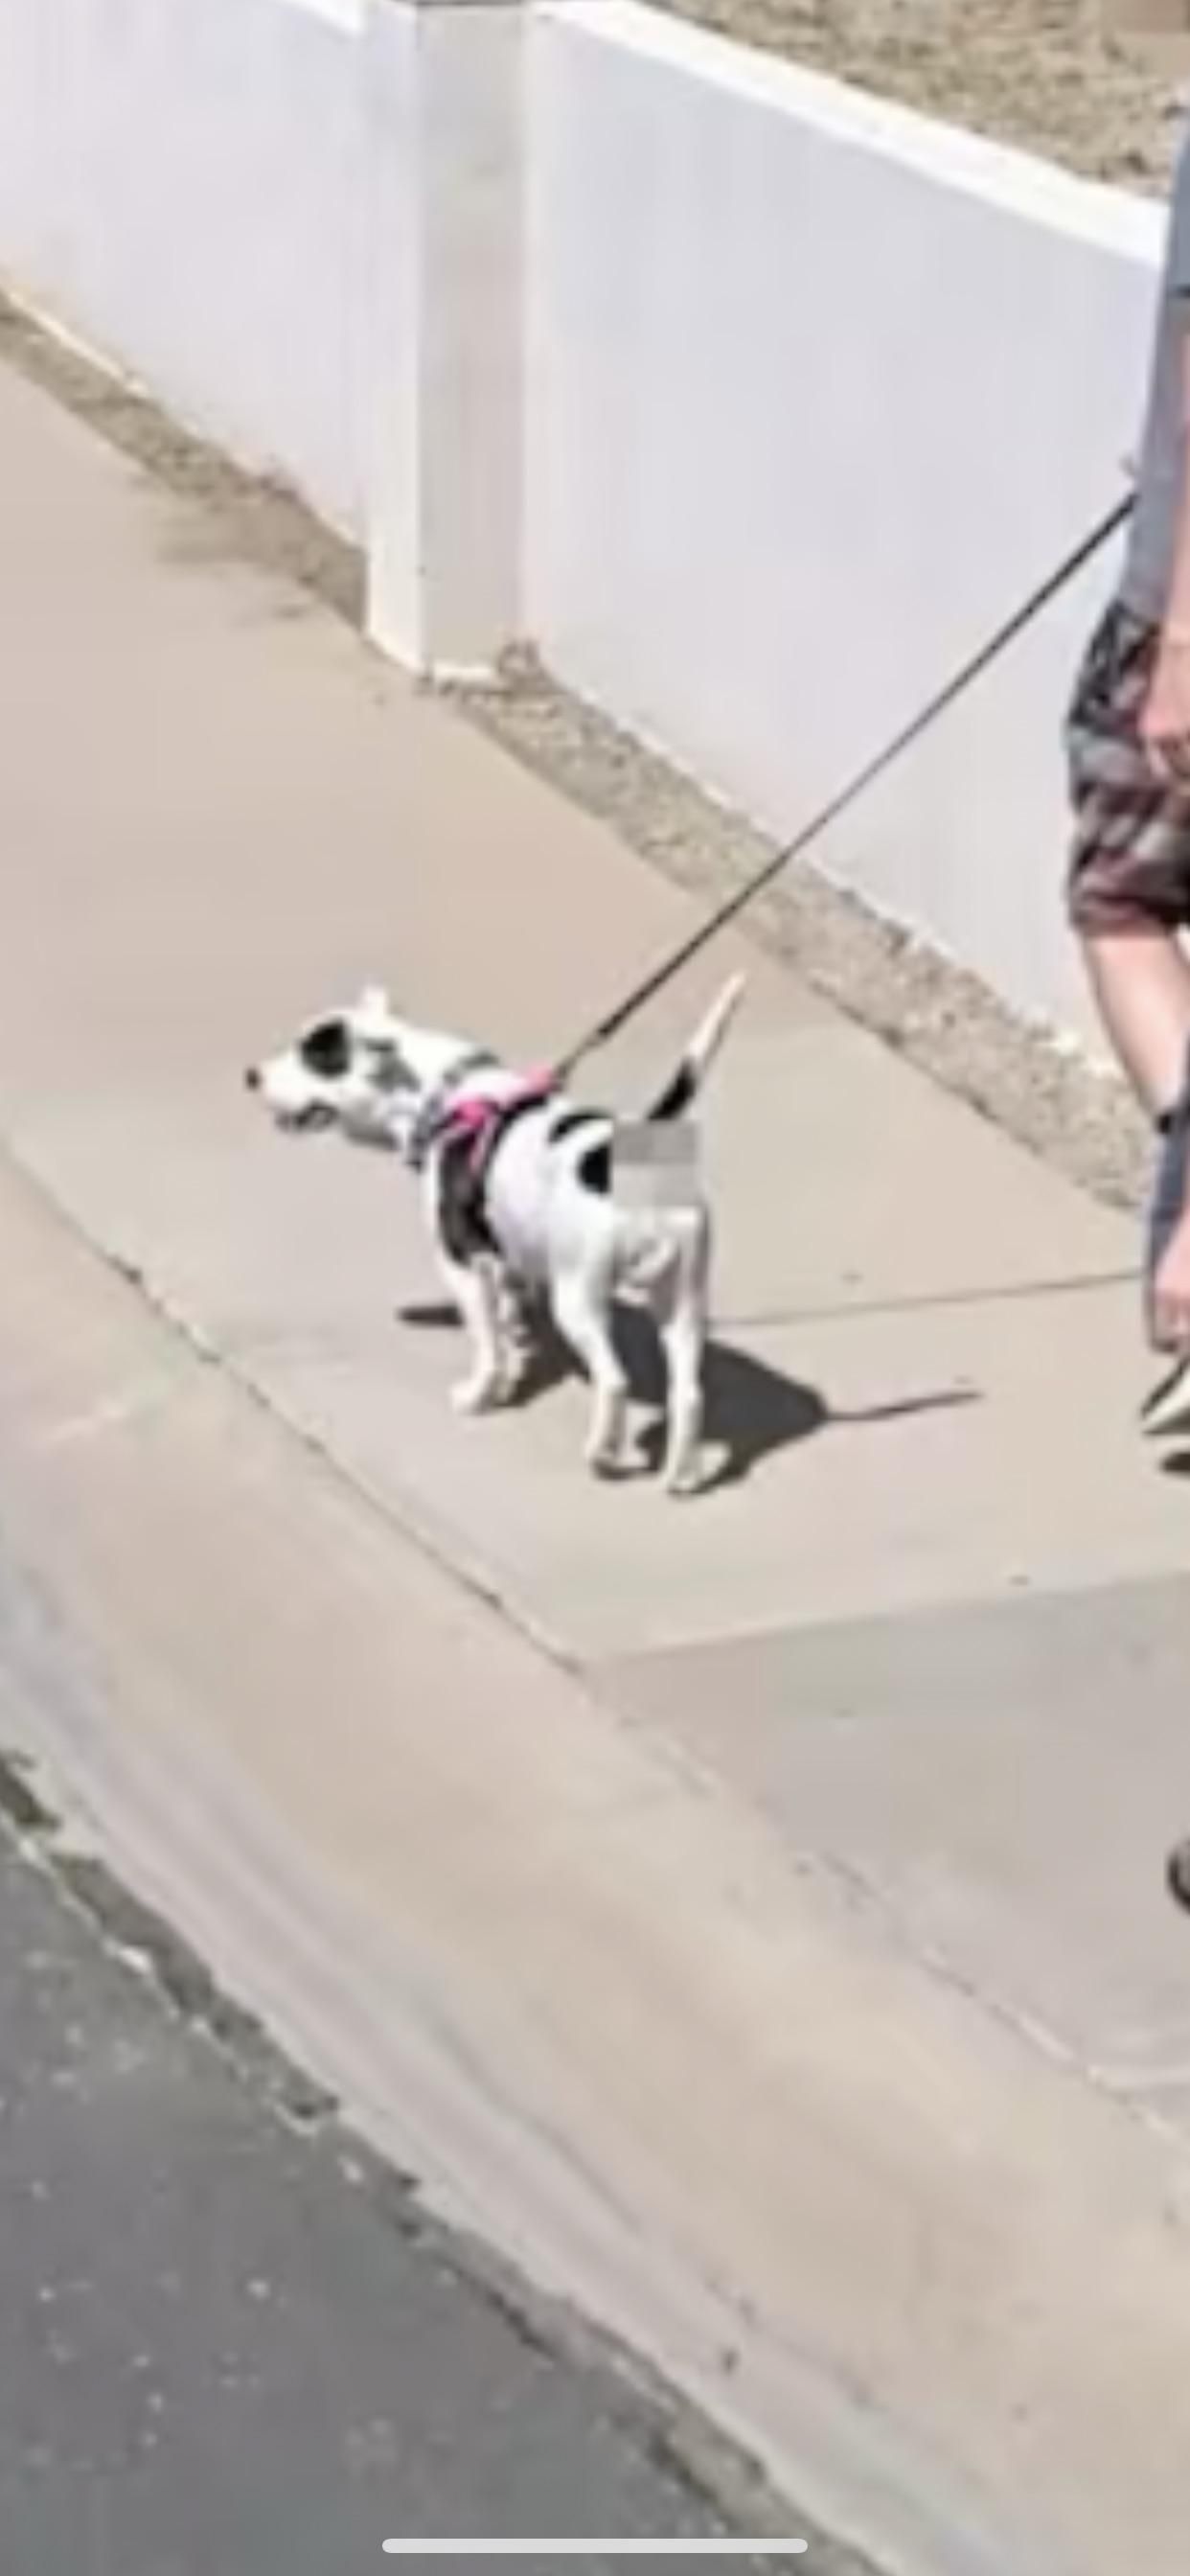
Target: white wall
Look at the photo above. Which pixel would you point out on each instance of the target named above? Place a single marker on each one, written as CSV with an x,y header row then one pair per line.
x,y
180,184
298,224
752,401
444,292
816,391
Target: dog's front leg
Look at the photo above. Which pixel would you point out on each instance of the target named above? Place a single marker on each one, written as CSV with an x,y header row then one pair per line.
x,y
473,1289
514,1329
472,1278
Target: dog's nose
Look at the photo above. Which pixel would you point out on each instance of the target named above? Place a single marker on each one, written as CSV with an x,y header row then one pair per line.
x,y
252,1078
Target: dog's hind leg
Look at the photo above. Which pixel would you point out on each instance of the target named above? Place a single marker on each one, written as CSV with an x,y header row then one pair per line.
x,y
583,1318
681,1307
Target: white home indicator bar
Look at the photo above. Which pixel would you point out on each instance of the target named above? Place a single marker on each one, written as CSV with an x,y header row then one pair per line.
x,y
595,2548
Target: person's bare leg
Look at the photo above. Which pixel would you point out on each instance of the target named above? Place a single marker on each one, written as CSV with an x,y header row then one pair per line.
x,y
1141,983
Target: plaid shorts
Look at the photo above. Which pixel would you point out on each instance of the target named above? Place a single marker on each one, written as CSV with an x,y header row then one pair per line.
x,y
1130,865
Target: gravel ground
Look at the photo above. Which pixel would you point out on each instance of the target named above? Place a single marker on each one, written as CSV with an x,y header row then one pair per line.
x,y
1039,73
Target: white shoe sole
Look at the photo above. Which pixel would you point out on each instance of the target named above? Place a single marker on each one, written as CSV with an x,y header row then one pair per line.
x,y
1168,1408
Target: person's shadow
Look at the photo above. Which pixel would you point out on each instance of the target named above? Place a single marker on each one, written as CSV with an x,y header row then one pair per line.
x,y
752,1410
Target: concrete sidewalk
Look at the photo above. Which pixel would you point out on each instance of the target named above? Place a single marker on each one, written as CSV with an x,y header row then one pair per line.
x,y
929,1640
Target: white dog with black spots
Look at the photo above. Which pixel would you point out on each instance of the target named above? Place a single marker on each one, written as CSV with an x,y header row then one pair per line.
x,y
531,1197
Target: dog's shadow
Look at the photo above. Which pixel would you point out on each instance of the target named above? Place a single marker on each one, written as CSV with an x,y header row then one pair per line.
x,y
753,1411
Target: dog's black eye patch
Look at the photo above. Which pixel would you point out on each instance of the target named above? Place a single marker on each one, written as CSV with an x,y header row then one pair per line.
x,y
389,1067
326,1050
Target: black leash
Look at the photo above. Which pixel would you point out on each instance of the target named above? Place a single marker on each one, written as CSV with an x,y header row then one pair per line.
x,y
663,974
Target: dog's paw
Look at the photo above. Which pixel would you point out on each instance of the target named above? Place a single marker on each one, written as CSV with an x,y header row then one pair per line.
x,y
612,1455
608,1451
513,1376
685,1473
614,1461
614,1466
476,1395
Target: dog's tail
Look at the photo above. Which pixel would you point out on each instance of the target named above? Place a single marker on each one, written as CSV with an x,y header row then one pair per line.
x,y
686,1082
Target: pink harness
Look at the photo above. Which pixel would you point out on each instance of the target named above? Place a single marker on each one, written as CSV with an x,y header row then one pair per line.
x,y
478,1120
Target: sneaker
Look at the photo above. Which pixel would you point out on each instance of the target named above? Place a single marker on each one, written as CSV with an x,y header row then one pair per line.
x,y
1167,1411
1177,1874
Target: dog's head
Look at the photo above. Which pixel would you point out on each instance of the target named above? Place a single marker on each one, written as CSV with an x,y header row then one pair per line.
x,y
350,1070
360,1070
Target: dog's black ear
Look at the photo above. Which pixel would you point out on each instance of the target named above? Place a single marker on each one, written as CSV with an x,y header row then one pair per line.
x,y
326,1050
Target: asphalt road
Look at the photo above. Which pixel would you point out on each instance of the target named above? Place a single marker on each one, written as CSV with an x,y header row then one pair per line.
x,y
229,2344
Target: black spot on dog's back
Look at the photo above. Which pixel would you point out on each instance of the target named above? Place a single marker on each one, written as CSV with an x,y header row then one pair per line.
x,y
568,1120
594,1168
